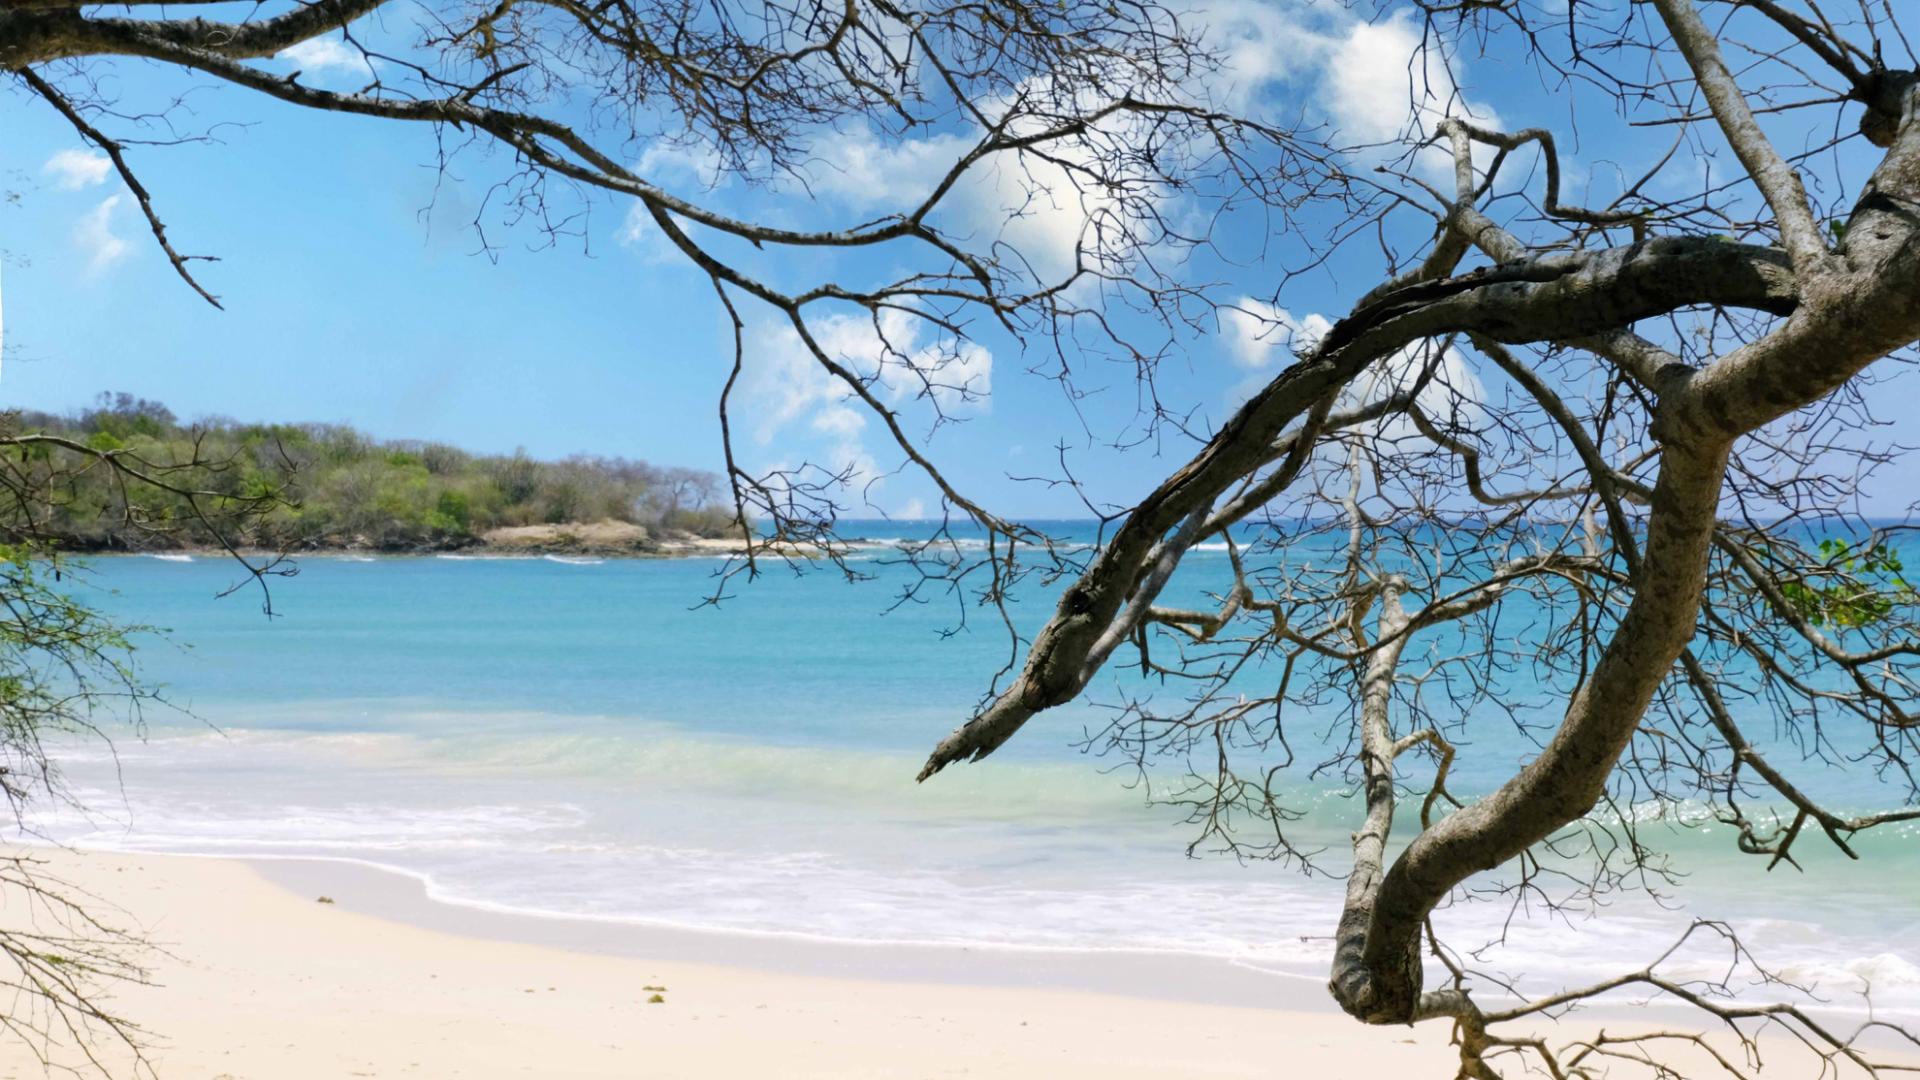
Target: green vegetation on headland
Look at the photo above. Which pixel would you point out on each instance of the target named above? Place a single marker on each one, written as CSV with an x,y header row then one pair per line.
x,y
328,486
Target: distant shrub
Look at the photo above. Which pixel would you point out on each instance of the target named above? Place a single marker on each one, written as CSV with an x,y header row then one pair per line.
x,y
452,515
343,487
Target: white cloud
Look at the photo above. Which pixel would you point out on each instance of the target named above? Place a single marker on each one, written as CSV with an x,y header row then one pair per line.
x,y
1262,43
637,231
955,375
661,163
322,54
1256,331
75,169
1377,83
864,170
701,163
1374,82
95,237
1451,396
1374,87
1384,81
1040,209
1035,208
811,414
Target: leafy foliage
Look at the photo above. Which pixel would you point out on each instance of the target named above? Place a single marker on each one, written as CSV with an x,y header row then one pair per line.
x,y
325,485
1855,587
61,664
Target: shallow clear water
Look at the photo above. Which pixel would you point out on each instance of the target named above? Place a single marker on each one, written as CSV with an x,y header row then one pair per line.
x,y
578,738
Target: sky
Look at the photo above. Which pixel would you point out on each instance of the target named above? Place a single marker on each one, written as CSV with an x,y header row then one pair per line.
x,y
355,291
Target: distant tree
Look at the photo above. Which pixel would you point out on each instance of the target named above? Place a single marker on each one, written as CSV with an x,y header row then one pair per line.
x,y
124,474
443,460
122,414
683,490
325,486
517,477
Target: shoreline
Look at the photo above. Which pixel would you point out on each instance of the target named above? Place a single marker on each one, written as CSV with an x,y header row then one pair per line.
x,y
398,895
304,968
673,549
695,548
259,981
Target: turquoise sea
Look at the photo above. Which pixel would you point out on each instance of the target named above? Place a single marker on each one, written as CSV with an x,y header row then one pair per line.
x,y
579,738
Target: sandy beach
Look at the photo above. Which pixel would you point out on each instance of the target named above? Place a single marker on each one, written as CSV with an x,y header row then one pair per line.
x,y
261,982
256,978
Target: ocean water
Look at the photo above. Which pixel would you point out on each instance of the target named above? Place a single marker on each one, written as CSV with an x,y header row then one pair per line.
x,y
579,738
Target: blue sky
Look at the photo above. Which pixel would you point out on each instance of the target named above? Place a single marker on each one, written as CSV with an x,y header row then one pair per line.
x,y
345,303
347,299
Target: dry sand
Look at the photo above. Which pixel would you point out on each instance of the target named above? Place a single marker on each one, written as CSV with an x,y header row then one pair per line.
x,y
264,983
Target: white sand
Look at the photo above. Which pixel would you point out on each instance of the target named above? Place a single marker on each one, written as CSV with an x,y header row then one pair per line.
x,y
261,982
266,984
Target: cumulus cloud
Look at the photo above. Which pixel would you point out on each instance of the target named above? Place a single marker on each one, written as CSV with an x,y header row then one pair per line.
x,y
662,164
697,162
1258,334
1041,209
1037,209
1033,207
324,54
95,238
1374,82
806,412
893,355
1385,80
806,408
638,232
1453,395
75,169
1262,44
1256,331
1377,83
859,168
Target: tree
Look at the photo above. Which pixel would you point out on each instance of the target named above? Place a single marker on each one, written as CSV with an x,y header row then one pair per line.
x,y
1081,97
1083,103
1687,396
1683,377
66,670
